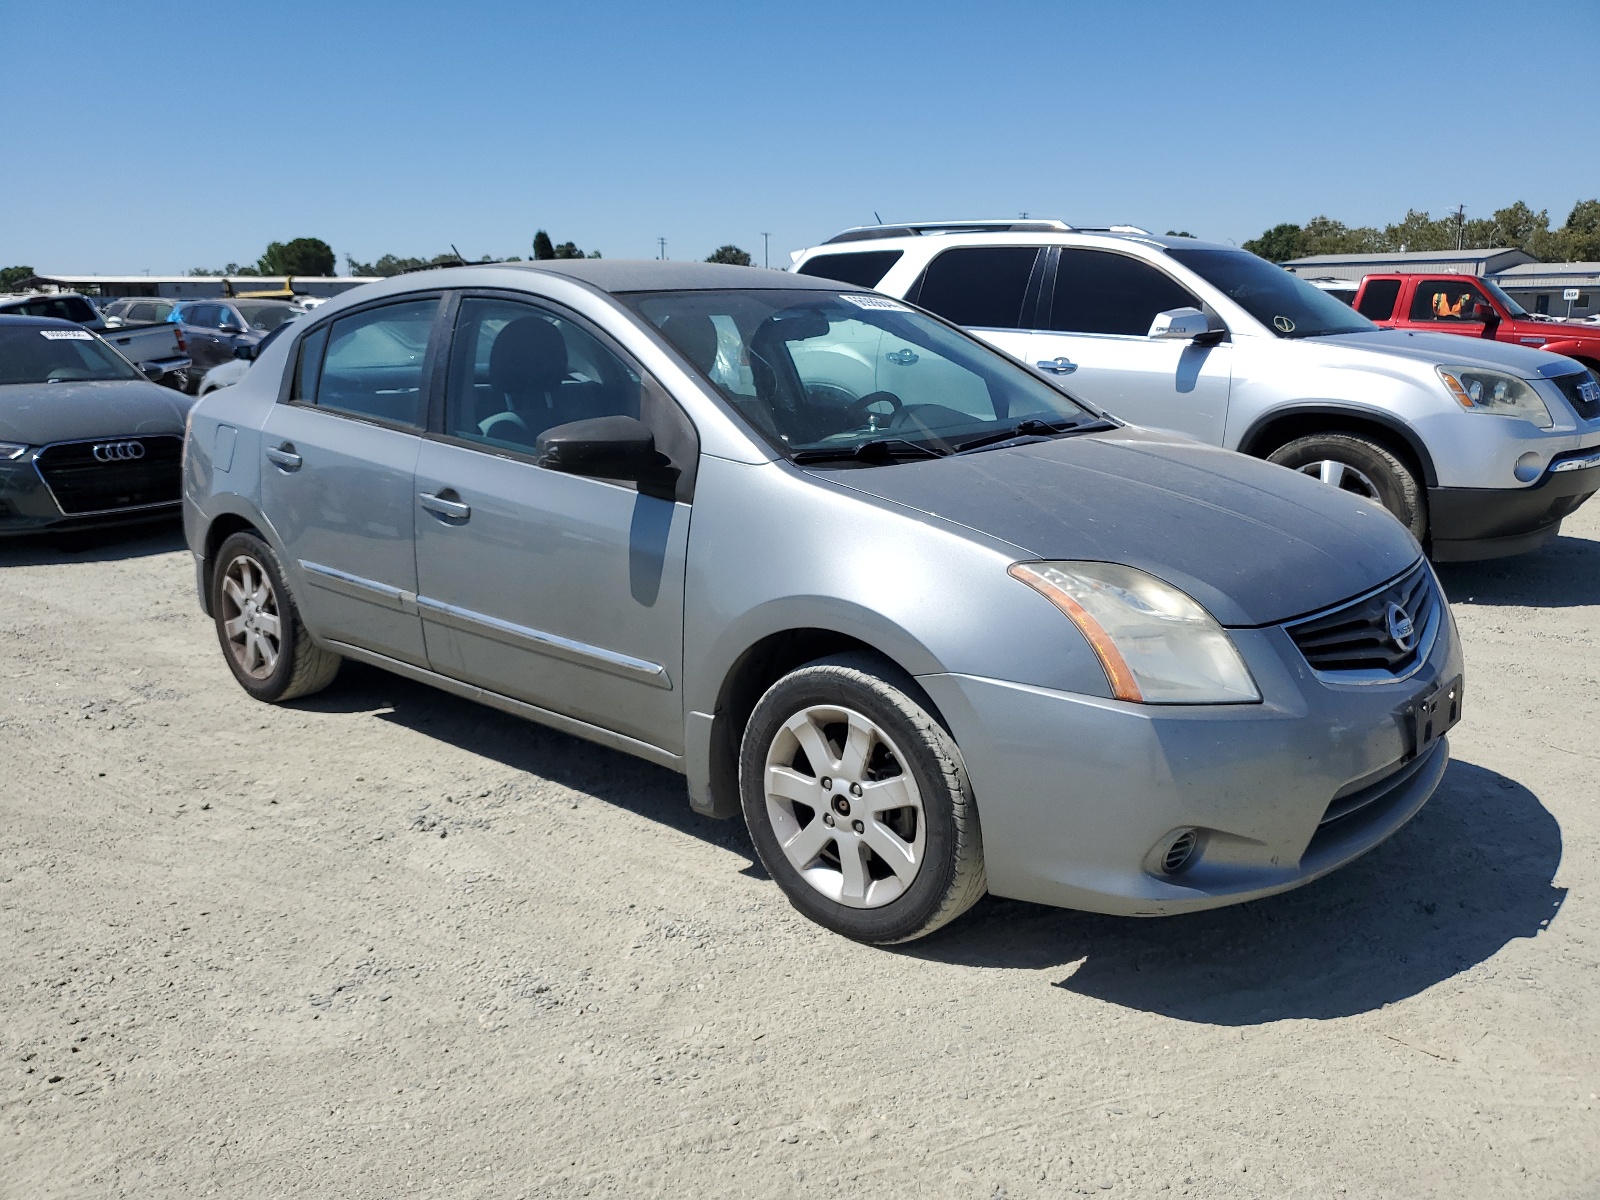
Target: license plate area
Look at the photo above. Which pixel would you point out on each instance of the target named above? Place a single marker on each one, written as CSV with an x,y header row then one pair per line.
x,y
1430,716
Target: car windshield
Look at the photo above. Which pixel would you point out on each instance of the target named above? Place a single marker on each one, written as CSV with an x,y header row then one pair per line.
x,y
1511,306
29,354
266,316
1290,307
827,375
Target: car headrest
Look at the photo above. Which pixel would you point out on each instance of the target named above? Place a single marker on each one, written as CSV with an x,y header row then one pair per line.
x,y
529,358
695,336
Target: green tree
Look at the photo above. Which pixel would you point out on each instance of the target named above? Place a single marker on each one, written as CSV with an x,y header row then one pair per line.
x,y
1278,244
1579,239
10,277
1324,235
1519,226
1179,233
542,247
730,254
568,250
1419,231
303,256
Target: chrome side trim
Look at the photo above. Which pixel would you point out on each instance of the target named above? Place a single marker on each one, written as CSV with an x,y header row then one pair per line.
x,y
530,712
354,586
523,638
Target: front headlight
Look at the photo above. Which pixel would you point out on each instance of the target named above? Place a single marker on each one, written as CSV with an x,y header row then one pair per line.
x,y
1477,390
1156,644
11,450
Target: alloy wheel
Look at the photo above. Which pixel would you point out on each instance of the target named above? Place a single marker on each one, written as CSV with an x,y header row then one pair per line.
x,y
1342,476
251,620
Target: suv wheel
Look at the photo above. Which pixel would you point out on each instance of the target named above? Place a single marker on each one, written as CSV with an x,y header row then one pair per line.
x,y
1357,464
267,648
858,803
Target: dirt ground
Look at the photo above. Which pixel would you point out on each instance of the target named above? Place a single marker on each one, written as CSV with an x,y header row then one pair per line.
x,y
388,943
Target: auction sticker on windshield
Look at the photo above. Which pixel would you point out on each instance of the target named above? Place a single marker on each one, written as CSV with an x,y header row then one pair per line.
x,y
862,300
66,335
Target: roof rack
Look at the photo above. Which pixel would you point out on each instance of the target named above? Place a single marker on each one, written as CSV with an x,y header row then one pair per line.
x,y
866,233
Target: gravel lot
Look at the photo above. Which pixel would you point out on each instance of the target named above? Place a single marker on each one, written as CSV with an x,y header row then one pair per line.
x,y
387,943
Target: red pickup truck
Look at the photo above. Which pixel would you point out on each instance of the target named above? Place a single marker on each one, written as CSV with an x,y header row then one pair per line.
x,y
1473,307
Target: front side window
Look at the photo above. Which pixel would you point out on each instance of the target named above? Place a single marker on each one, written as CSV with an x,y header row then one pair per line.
x,y
203,316
265,317
517,370
980,287
29,354
1098,291
373,363
820,372
1289,307
1448,300
864,269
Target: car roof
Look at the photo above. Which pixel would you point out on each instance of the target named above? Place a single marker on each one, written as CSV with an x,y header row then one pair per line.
x,y
1010,233
11,320
656,275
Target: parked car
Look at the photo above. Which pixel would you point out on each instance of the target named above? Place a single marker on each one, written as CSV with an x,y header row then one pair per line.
x,y
936,628
137,310
214,329
85,438
1480,449
1474,307
229,373
156,348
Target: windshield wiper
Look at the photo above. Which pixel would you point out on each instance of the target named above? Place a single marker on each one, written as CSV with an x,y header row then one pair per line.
x,y
1033,428
875,452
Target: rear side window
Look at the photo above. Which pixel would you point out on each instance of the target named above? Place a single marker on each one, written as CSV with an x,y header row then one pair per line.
x,y
1378,297
1100,292
206,316
62,308
863,270
982,287
1446,300
371,364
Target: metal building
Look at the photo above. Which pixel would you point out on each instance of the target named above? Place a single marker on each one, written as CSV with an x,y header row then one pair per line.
x,y
190,287
1454,262
1548,287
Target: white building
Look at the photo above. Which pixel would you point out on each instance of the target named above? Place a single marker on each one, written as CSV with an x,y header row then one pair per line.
x,y
191,287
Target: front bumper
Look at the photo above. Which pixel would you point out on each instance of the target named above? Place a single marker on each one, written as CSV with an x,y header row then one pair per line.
x,y
1075,793
1478,523
27,506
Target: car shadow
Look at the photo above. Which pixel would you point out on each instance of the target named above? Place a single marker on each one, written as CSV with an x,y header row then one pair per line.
x,y
92,545
1471,873
1564,574
611,776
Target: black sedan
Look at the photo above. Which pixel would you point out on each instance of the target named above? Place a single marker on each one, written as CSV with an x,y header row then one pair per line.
x,y
85,438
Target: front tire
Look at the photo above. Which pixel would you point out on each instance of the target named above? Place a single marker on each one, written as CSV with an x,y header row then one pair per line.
x,y
858,803
265,644
1360,465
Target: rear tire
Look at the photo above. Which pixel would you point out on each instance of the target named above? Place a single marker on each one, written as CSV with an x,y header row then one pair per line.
x,y
1360,465
258,626
889,850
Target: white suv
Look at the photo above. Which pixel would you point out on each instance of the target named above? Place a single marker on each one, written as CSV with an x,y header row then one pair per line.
x,y
1478,447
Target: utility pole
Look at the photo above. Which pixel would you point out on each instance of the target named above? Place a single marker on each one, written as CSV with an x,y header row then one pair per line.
x,y
1461,225
766,242
661,243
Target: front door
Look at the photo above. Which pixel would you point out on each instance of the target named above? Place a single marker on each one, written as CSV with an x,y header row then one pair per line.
x,y
562,591
338,472
1096,320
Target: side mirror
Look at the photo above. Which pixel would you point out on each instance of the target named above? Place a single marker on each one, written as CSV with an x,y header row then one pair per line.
x,y
1184,325
151,371
1483,311
606,448
230,327
245,352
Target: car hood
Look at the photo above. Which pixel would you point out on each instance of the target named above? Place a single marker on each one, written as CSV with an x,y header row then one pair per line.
x,y
1433,349
1253,542
39,413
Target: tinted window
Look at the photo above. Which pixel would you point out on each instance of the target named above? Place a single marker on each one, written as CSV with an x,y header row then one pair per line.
x,y
265,316
517,370
62,308
29,354
373,365
1378,297
1290,307
863,270
982,287
206,316
1445,300
1100,292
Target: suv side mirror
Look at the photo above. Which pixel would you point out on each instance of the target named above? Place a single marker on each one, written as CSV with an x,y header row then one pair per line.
x,y
606,448
1185,325
151,372
245,352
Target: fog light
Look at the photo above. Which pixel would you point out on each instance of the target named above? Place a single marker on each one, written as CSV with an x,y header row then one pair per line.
x,y
1180,849
1529,467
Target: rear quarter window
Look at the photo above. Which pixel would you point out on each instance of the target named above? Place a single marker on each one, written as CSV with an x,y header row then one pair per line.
x,y
1378,297
865,269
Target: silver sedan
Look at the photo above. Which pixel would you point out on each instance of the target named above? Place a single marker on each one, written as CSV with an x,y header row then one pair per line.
x,y
930,624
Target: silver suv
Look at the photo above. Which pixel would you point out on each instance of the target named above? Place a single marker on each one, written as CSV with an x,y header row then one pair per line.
x,y
933,626
1478,447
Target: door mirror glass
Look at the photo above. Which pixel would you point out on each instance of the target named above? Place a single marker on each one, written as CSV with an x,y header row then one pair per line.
x,y
604,448
152,372
1180,325
244,352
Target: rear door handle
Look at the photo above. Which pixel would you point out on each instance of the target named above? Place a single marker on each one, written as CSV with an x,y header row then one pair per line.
x,y
440,506
284,456
1058,366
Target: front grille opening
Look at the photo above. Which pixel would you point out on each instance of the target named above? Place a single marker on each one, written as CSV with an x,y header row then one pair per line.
x,y
1179,851
81,483
1357,636
1572,387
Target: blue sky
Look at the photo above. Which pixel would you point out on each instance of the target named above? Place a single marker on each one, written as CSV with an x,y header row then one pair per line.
x,y
143,136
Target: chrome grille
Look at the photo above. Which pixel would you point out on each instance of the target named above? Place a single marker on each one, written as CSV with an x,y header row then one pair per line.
x,y
1357,636
1582,392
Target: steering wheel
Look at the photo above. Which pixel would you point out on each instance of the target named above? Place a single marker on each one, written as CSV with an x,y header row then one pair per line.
x,y
858,408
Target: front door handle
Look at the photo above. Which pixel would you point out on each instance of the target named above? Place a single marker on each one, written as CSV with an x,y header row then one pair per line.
x,y
1058,366
443,507
284,456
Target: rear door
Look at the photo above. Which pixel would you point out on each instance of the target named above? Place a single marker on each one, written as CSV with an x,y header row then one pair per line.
x,y
200,331
990,291
1099,305
340,460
